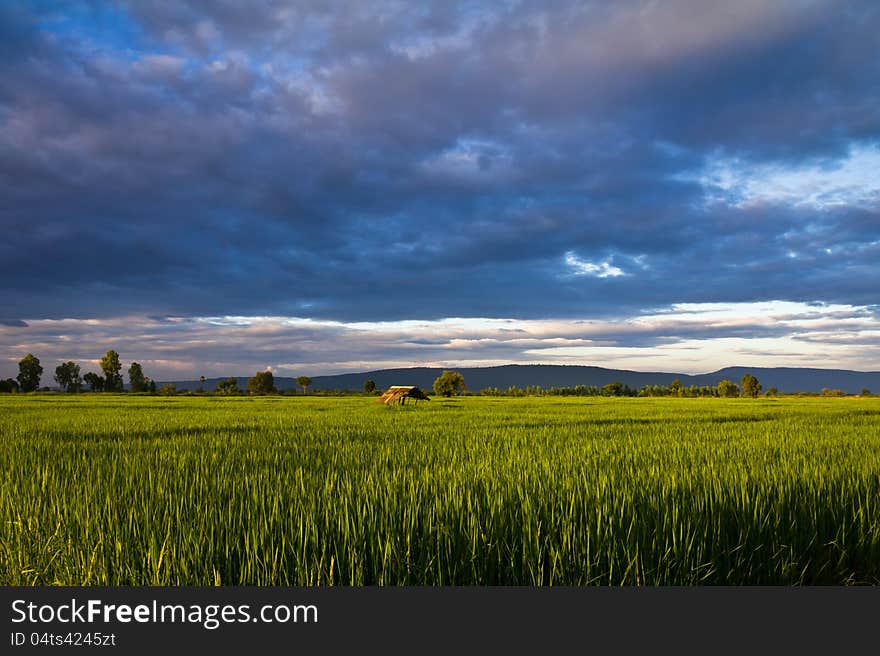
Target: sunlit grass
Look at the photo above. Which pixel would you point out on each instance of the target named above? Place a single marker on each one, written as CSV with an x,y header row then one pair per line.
x,y
565,491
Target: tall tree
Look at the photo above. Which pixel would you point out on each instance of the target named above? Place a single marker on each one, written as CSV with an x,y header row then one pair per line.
x,y
111,367
136,378
750,386
263,382
304,382
449,383
67,376
29,372
369,386
202,383
94,381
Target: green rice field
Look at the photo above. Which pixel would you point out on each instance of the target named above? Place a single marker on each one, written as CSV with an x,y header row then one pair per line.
x,y
131,490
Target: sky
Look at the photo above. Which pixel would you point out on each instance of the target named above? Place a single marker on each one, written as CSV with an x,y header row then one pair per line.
x,y
217,188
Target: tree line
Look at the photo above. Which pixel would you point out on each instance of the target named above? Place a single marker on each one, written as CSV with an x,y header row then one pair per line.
x,y
449,383
69,376
748,387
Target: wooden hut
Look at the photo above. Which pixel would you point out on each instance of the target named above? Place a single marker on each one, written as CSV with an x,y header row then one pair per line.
x,y
400,393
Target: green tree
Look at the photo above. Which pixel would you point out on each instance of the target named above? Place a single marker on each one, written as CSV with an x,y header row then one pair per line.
x,y
136,378
94,381
771,392
727,388
865,392
449,383
67,376
304,382
263,382
675,387
29,372
750,386
612,389
152,386
8,386
111,367
228,386
369,386
168,389
201,383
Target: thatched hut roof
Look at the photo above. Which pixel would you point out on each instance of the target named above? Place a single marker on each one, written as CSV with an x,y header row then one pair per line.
x,y
400,393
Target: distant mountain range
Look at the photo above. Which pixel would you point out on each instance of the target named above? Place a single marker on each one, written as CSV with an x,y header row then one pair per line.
x,y
785,379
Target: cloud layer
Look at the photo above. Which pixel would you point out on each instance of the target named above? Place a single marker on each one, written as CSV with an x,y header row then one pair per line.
x,y
387,162
688,338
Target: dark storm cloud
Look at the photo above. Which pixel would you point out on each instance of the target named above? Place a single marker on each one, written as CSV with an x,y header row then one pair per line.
x,y
384,161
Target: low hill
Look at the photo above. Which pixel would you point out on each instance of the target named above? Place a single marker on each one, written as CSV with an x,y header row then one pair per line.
x,y
786,379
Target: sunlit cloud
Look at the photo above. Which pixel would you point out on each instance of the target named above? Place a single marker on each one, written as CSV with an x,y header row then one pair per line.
x,y
580,267
850,181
